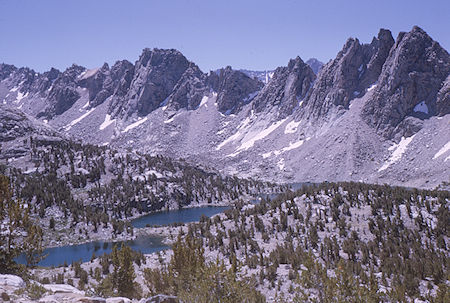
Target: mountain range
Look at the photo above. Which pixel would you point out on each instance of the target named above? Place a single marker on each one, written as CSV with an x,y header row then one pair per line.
x,y
378,112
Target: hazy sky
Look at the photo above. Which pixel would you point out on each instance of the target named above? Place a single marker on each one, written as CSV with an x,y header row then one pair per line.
x,y
255,35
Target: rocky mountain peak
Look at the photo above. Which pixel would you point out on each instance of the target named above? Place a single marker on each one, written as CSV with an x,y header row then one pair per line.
x,y
379,48
287,88
157,57
315,65
155,75
6,70
349,75
189,90
122,72
52,74
234,89
63,92
411,78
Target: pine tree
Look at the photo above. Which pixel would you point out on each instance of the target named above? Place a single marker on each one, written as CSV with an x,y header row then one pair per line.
x,y
123,274
16,221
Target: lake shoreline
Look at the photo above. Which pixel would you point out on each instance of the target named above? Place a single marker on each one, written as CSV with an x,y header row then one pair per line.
x,y
140,239
106,234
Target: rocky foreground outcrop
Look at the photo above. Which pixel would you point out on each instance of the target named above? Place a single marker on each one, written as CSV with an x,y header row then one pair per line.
x,y
14,289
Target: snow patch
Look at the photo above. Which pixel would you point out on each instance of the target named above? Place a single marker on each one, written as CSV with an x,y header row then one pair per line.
x,y
107,122
266,155
20,96
30,170
171,119
281,164
248,143
442,151
399,149
291,127
228,140
291,146
421,107
244,123
204,101
88,73
69,126
372,87
135,124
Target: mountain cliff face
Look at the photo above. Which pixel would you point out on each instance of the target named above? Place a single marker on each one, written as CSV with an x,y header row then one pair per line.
x,y
409,84
371,113
156,74
443,98
15,130
287,88
234,89
349,75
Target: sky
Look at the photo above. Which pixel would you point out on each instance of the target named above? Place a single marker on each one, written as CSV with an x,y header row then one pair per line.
x,y
256,35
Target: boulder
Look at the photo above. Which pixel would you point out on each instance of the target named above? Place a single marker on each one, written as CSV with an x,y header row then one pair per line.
x,y
118,300
62,288
12,281
91,300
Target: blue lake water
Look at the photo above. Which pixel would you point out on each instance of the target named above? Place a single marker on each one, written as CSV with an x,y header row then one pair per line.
x,y
184,215
72,253
146,244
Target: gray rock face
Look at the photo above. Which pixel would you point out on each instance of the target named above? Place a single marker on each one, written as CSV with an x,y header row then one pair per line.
x,y
263,76
13,124
347,76
6,70
189,90
45,81
287,88
15,128
443,98
156,73
107,82
234,89
413,73
63,93
315,65
94,83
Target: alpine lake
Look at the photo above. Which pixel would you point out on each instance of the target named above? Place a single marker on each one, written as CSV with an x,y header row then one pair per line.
x,y
57,256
